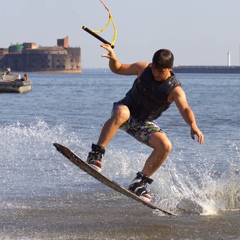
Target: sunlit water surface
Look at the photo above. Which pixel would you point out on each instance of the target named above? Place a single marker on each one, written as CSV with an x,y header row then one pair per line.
x,y
44,196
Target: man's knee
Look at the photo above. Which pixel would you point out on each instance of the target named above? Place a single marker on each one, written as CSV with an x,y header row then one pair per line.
x,y
167,146
121,114
160,141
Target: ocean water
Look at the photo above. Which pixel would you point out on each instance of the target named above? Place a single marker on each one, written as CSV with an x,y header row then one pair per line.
x,y
44,196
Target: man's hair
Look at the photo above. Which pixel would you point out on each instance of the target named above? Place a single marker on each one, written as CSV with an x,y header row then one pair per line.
x,y
163,58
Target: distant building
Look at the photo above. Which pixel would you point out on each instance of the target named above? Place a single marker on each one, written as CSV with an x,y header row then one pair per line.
x,y
27,57
207,69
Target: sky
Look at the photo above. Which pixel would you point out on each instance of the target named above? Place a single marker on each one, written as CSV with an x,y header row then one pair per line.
x,y
197,32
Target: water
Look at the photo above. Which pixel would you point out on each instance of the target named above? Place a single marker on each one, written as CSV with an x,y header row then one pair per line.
x,y
43,196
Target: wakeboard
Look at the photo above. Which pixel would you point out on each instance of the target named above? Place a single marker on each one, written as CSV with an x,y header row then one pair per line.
x,y
102,178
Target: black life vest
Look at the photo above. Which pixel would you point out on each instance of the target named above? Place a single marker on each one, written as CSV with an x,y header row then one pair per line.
x,y
147,98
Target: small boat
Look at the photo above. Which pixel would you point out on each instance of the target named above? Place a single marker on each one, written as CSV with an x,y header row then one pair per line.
x,y
16,86
13,83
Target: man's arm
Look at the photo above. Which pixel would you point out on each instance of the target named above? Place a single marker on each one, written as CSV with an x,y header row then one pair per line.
x,y
179,97
122,68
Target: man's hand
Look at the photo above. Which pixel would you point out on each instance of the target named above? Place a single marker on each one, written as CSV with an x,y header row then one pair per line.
x,y
195,131
111,55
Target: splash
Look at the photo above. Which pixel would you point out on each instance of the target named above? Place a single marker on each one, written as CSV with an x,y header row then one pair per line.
x,y
195,190
29,163
30,166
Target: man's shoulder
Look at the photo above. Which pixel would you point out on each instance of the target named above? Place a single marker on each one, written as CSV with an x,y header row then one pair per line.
x,y
177,91
144,67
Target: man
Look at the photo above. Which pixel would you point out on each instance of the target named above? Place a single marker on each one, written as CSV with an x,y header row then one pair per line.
x,y
154,89
25,78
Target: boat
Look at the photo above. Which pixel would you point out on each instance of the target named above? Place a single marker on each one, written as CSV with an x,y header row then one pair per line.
x,y
13,83
16,86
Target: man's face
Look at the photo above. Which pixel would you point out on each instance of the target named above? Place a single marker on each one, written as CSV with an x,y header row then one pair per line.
x,y
161,73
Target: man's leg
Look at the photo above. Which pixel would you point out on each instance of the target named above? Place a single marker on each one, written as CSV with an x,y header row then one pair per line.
x,y
120,115
109,130
162,147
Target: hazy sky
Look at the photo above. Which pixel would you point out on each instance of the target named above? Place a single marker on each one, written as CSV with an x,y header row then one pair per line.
x,y
197,32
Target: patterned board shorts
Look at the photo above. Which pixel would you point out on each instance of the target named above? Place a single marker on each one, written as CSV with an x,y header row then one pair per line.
x,y
140,130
